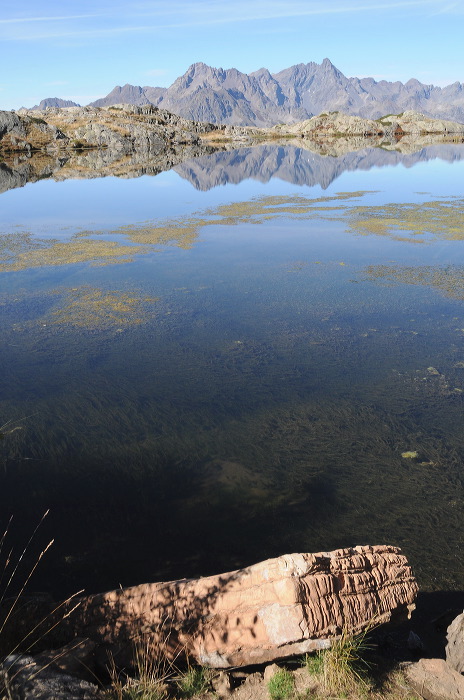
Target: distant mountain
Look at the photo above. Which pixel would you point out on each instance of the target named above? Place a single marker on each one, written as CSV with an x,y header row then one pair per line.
x,y
228,96
55,102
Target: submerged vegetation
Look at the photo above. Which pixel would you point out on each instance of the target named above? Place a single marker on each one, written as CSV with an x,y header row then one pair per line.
x,y
227,402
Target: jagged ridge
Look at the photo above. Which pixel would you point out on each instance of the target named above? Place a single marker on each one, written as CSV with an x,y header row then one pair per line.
x,y
215,95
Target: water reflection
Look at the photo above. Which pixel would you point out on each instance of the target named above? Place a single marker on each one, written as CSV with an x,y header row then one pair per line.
x,y
205,167
248,381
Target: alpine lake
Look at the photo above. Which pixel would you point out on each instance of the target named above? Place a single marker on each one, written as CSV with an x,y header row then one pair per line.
x,y
257,352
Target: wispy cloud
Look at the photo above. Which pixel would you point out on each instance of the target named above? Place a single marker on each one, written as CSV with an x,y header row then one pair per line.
x,y
135,19
60,18
450,8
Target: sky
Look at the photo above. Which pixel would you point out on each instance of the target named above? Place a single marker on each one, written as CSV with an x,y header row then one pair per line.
x,y
82,50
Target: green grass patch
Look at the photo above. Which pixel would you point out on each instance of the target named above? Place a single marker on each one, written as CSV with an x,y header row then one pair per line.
x,y
282,685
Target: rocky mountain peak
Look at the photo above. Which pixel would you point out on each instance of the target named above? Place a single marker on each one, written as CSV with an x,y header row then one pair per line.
x,y
205,93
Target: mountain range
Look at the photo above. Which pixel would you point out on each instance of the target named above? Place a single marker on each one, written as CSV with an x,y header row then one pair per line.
x,y
263,99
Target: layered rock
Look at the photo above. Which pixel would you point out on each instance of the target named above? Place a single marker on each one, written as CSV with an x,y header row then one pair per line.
x,y
277,608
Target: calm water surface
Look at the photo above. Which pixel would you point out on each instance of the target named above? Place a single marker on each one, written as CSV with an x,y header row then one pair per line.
x,y
227,361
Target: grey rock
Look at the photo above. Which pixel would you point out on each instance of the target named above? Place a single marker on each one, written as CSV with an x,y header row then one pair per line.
x,y
121,128
270,671
10,121
24,132
414,642
455,645
25,678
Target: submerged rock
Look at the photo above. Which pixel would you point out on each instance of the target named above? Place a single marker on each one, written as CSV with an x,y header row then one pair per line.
x,y
280,607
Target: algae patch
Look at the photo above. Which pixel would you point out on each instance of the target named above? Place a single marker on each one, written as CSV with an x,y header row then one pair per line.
x,y
43,253
444,219
93,308
449,279
403,222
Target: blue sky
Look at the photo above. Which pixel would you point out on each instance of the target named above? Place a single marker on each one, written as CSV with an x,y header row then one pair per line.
x,y
81,50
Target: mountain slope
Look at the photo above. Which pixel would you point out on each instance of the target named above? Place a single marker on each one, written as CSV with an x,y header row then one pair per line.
x,y
54,102
260,98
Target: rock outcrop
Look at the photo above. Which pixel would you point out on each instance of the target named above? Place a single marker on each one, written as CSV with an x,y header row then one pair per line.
x,y
277,608
339,124
123,129
29,133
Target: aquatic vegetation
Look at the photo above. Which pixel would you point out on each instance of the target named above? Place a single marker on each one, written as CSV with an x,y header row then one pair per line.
x,y
411,221
445,219
93,308
22,251
449,279
44,253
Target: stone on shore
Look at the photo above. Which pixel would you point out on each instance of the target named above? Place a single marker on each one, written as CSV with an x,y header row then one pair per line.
x,y
281,607
434,679
455,645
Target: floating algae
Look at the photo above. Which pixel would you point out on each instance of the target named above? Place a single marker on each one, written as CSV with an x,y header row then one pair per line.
x,y
445,219
70,252
21,251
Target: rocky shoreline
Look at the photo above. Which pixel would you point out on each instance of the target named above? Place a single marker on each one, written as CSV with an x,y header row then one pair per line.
x,y
128,141
126,129
239,624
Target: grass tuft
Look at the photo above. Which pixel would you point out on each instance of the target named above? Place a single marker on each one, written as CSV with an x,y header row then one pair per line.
x,y
343,666
314,663
195,681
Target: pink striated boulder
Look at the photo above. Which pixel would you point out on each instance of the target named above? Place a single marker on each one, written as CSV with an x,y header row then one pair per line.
x,y
277,608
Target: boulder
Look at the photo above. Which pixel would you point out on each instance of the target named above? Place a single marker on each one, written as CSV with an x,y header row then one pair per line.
x,y
455,645
434,679
290,605
24,677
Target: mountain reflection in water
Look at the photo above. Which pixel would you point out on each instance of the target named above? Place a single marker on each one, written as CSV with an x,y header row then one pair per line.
x,y
301,166
206,166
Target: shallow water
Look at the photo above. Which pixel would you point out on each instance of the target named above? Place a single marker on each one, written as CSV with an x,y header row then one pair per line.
x,y
198,378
